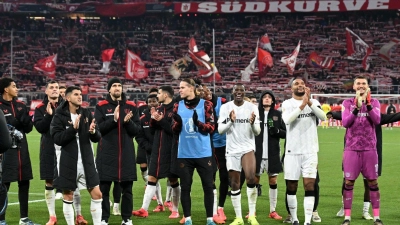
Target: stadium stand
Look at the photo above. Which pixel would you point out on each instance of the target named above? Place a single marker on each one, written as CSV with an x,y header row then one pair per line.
x,y
159,39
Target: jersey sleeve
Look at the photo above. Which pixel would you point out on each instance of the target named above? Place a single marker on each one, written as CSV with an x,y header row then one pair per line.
x,y
224,122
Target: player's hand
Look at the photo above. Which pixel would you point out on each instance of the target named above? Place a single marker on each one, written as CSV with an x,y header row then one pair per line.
x,y
128,117
76,122
307,92
49,110
92,127
152,111
116,113
368,96
232,116
358,100
305,100
158,116
252,118
195,118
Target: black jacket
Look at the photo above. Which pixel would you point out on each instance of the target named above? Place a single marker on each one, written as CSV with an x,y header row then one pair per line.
x,y
17,162
64,135
160,161
41,121
115,159
274,162
145,138
385,119
5,137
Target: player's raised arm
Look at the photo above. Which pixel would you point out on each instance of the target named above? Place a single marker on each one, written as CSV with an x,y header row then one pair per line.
x,y
316,108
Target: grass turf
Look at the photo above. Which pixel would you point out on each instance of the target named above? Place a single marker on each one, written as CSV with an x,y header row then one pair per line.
x,y
330,155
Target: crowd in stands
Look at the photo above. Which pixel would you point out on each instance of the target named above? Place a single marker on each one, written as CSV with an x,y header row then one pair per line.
x,y
159,39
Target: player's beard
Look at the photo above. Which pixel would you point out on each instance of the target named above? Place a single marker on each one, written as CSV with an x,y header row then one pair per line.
x,y
116,95
300,94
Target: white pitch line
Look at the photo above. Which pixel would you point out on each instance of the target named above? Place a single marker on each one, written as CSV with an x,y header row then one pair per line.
x,y
16,193
17,203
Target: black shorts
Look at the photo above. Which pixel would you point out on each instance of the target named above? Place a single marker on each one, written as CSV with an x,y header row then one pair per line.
x,y
141,156
204,166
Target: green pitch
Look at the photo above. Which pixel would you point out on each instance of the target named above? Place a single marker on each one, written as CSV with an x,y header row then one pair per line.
x,y
331,147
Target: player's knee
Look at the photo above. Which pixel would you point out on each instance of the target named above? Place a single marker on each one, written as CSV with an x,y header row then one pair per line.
x,y
68,195
348,187
292,187
250,180
349,182
273,180
372,182
235,185
309,187
373,186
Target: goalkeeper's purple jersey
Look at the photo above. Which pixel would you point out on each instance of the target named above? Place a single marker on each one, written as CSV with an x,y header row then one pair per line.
x,y
360,134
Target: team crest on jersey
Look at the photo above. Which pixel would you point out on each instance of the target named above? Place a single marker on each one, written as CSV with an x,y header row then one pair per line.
x,y
185,7
109,110
19,108
126,111
275,118
190,127
5,111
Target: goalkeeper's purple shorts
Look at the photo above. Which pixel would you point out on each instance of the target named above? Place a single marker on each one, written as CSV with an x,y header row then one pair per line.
x,y
364,162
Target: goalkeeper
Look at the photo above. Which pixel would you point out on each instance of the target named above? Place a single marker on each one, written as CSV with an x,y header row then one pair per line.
x,y
385,119
360,116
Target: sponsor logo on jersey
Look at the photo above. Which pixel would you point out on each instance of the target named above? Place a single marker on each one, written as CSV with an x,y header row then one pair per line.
x,y
305,115
242,120
363,114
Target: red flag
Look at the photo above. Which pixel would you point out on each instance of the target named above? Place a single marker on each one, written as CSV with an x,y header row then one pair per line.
x,y
265,43
203,63
106,56
357,48
47,66
385,51
135,67
290,60
208,76
265,61
317,61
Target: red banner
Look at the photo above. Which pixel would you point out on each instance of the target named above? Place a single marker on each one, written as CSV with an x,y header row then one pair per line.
x,y
135,68
121,10
47,66
280,6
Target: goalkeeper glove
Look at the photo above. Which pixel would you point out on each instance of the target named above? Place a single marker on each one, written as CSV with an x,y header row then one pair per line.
x,y
358,100
368,98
